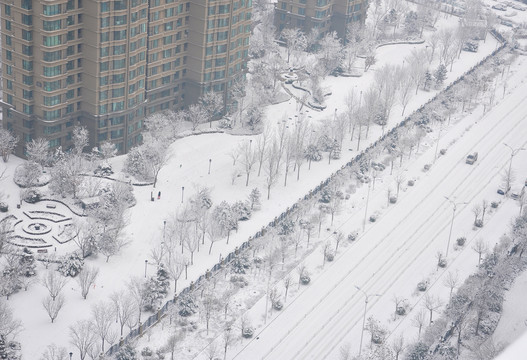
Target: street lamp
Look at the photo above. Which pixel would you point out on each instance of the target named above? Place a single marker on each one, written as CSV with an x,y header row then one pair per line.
x,y
164,228
366,298
210,162
146,264
454,208
513,153
71,354
182,191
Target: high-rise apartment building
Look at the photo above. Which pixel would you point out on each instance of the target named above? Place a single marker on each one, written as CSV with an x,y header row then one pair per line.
x,y
108,64
326,15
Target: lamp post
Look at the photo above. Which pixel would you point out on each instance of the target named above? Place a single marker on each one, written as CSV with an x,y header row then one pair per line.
x,y
71,354
454,208
366,299
438,138
210,162
146,264
513,153
164,228
182,191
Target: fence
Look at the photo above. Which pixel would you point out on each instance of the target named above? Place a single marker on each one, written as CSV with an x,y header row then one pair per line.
x,y
153,319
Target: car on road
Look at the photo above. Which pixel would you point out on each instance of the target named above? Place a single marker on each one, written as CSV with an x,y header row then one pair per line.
x,y
471,159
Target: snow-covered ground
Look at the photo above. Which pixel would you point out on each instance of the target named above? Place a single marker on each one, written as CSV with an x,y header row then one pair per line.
x,y
389,258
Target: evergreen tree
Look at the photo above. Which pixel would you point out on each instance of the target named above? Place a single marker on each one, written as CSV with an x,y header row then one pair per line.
x,y
440,75
428,81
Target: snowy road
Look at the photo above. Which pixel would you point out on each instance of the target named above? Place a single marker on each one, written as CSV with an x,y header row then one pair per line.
x,y
401,244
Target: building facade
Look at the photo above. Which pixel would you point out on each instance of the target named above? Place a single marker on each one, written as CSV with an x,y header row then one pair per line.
x,y
325,15
106,65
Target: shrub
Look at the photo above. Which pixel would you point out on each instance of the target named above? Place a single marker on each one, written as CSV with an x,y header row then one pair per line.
x,y
305,279
393,199
494,204
70,265
401,310
411,182
442,151
373,218
479,223
3,207
330,256
248,332
352,236
186,305
32,196
240,264
422,285
461,241
277,305
239,281
442,263
146,352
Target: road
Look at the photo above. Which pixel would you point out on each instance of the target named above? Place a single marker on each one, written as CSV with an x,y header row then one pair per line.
x,y
331,309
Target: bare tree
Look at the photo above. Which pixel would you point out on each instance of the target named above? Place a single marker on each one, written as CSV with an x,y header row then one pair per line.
x,y
9,326
345,352
399,180
484,207
86,278
406,84
196,114
103,315
398,346
212,350
8,143
261,146
271,169
53,305
399,302
339,236
191,243
419,321
54,283
451,281
54,352
37,151
175,268
287,283
432,303
301,270
82,337
248,159
124,308
228,339
208,305
173,341
212,103
480,247
476,210
295,41
235,153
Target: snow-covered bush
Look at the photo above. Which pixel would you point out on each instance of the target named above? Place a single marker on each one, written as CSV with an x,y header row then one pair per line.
x,y
255,199
239,281
3,207
461,240
242,210
27,263
126,352
70,265
32,196
286,227
135,164
278,305
326,195
305,279
393,199
186,305
146,352
248,332
29,174
240,264
494,204
352,236
157,288
312,153
422,285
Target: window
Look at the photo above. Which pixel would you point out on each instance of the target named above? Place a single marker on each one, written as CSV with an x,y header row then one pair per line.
x,y
70,35
117,120
105,6
9,84
54,142
208,50
52,115
52,40
118,64
119,49
70,5
27,94
167,40
7,10
105,22
70,65
224,9
320,14
119,20
169,25
118,92
70,94
50,71
8,25
49,56
119,35
52,9
223,22
51,25
119,4
52,85
27,79
105,51
167,66
301,11
27,109
103,95
220,49
104,66
220,61
51,100
222,35
115,134
9,55
103,136
8,40
27,35
105,36
27,65
27,19
118,78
